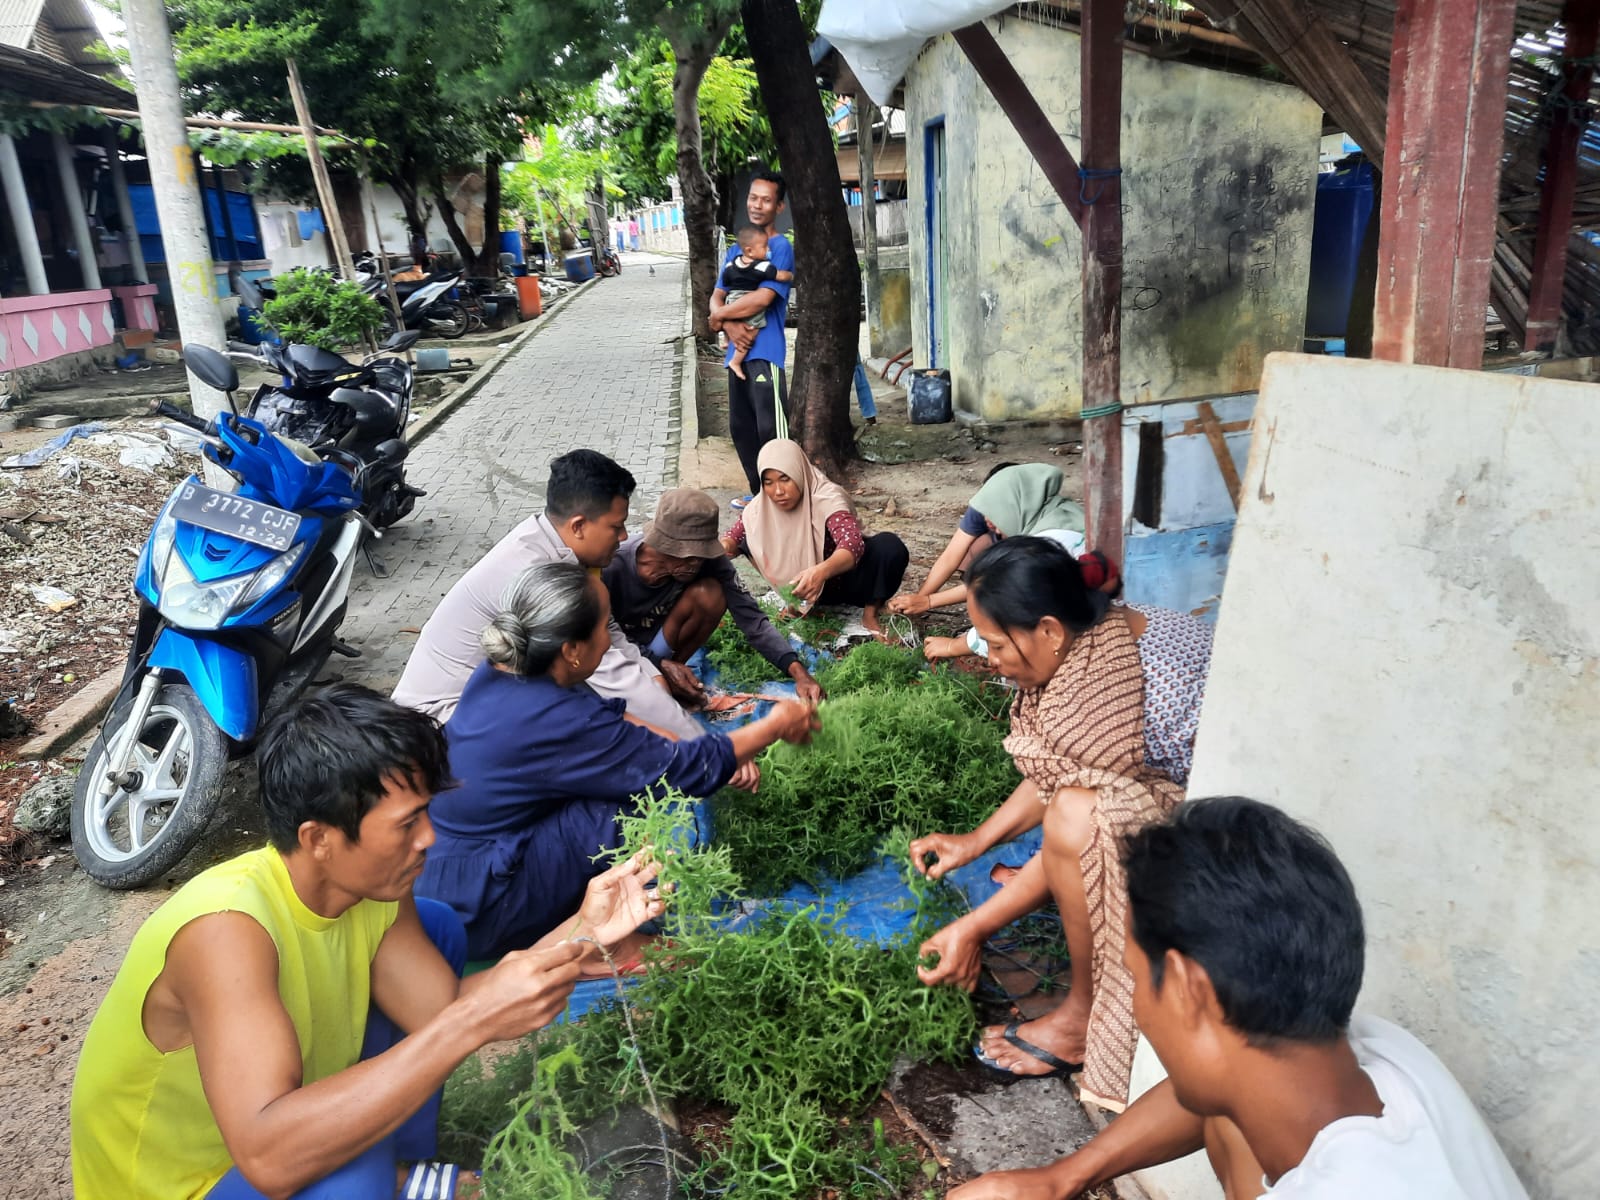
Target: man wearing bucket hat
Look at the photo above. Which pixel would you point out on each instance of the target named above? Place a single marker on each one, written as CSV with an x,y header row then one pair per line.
x,y
670,586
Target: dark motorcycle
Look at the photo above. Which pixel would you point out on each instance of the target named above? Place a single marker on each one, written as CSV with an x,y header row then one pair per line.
x,y
326,401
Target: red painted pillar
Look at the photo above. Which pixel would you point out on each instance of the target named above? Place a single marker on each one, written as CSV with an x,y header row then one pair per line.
x,y
1441,177
1100,76
1581,19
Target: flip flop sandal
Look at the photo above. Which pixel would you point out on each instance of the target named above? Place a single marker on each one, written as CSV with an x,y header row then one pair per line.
x,y
430,1181
1059,1068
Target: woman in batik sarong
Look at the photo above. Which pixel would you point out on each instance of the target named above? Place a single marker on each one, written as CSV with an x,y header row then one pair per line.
x,y
1102,731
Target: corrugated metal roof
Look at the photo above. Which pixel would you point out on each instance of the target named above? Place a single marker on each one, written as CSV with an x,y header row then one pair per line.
x,y
17,20
41,78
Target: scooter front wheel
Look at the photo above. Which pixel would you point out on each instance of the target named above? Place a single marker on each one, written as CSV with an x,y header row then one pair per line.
x,y
164,799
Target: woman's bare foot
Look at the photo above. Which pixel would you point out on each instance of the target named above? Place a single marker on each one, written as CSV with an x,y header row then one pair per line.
x,y
1064,1032
869,619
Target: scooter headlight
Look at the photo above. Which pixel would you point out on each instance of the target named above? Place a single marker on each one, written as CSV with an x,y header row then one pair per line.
x,y
161,539
190,604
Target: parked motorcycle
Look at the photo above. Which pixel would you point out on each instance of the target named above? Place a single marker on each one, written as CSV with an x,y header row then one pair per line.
x,y
362,409
240,599
608,263
431,307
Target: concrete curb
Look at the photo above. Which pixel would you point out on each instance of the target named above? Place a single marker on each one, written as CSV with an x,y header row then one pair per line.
x,y
73,718
424,425
688,378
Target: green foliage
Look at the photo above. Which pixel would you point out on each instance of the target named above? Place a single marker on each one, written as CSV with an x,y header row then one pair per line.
x,y
698,878
639,126
529,1156
871,664
19,118
739,666
315,308
786,1022
926,757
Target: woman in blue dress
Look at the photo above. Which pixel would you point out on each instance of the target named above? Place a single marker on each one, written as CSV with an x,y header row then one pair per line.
x,y
546,766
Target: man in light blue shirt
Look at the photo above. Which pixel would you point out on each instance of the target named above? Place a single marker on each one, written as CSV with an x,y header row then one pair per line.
x,y
758,403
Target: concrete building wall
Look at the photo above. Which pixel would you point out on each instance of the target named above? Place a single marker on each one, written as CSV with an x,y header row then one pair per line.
x,y
1408,657
1218,186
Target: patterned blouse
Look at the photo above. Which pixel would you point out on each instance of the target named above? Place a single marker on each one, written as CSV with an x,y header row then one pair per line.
x,y
843,530
1175,652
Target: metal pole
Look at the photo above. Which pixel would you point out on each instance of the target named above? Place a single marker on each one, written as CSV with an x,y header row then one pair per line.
x,y
130,226
72,190
22,217
177,191
866,115
319,172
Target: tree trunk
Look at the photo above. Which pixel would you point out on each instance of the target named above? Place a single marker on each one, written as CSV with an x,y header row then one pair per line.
x,y
692,49
447,214
489,257
416,210
825,266
347,195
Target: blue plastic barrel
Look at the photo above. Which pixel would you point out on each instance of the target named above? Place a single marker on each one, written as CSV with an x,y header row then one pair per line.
x,y
511,243
1344,205
580,265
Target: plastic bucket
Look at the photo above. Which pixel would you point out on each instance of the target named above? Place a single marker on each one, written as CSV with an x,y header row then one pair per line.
x,y
929,399
580,266
529,303
433,359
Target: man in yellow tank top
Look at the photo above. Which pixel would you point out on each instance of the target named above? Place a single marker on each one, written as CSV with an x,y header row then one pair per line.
x,y
283,1025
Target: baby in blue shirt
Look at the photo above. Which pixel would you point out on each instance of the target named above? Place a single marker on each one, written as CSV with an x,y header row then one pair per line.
x,y
743,275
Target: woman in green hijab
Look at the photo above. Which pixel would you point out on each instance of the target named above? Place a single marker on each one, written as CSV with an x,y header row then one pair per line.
x,y
1014,501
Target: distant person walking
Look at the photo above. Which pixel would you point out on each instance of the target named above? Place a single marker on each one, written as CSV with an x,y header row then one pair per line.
x,y
633,231
758,401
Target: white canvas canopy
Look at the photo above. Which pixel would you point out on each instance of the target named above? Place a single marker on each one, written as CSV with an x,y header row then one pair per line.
x,y
880,38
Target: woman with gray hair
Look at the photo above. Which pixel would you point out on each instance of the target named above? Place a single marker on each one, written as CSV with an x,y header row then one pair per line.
x,y
546,765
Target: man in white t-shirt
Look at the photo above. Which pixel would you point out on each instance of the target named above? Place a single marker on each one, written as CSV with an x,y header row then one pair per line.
x,y
1245,941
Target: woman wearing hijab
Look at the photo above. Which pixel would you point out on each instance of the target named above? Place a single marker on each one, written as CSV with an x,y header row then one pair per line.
x,y
802,534
1015,501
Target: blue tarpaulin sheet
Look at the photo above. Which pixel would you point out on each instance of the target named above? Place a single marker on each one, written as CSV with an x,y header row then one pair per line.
x,y
872,906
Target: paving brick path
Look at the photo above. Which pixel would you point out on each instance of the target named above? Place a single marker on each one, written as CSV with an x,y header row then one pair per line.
x,y
603,375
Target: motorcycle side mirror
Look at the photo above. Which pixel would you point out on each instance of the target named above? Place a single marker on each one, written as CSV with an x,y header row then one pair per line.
x,y
211,368
393,451
401,340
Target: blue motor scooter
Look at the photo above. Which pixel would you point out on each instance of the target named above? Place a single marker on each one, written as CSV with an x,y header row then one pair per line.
x,y
241,595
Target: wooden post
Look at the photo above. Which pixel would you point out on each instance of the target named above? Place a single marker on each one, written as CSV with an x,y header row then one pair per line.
x,y
319,172
1093,197
1441,174
383,255
1026,116
866,116
1581,19
1100,80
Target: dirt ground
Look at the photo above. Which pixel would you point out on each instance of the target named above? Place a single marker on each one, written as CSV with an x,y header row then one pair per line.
x,y
73,935
913,480
71,530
